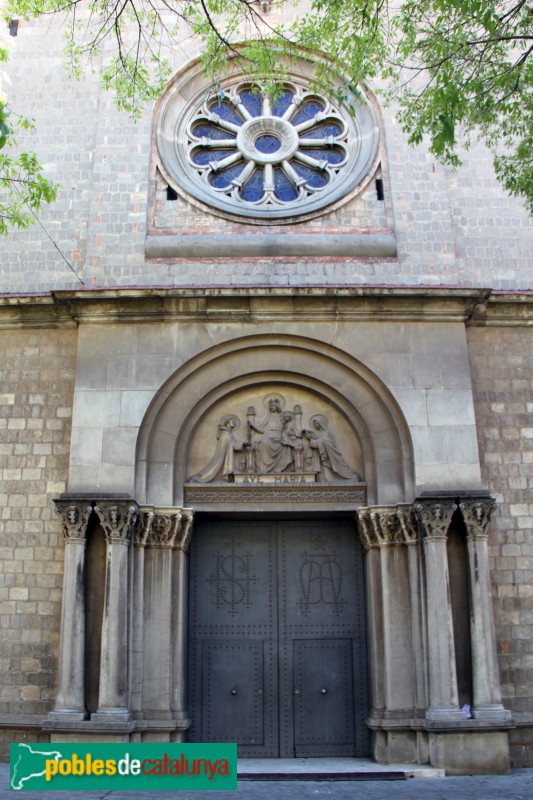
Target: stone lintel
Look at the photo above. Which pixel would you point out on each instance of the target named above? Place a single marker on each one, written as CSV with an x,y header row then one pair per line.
x,y
253,245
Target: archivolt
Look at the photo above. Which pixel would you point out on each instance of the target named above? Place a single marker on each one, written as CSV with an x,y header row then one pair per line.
x,y
330,373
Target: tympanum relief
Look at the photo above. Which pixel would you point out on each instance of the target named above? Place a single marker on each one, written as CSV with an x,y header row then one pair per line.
x,y
285,442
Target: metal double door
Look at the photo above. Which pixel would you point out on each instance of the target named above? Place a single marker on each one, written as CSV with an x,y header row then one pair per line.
x,y
277,644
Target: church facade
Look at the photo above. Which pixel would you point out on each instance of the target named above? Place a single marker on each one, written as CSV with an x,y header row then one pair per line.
x,y
266,433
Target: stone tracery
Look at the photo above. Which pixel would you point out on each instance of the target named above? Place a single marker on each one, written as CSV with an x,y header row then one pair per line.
x,y
243,151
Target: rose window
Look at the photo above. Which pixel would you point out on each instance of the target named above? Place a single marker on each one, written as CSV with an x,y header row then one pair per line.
x,y
268,153
252,156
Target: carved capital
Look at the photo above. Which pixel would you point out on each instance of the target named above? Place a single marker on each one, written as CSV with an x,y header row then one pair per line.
x,y
409,523
74,520
477,515
142,526
117,520
168,527
435,518
164,528
187,518
384,526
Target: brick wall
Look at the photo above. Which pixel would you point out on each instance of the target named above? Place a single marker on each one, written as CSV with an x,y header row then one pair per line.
x,y
36,387
502,373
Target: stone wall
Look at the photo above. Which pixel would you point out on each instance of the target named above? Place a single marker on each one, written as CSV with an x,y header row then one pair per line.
x,y
451,228
36,386
502,371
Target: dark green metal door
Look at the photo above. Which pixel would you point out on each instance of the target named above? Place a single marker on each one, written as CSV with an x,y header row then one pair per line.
x,y
277,646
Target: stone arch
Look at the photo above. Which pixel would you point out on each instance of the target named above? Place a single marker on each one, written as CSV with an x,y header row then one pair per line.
x,y
320,369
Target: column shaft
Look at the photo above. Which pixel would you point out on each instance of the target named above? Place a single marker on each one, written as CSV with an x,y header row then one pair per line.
x,y
70,701
117,522
180,619
442,678
487,693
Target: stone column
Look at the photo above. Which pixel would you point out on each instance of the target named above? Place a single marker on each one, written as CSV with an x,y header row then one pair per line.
x,y
487,695
389,533
179,626
158,604
117,520
390,536
376,639
435,518
140,534
409,526
70,701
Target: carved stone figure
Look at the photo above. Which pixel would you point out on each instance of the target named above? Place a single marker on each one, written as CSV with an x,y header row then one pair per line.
x,y
277,439
323,455
277,448
223,464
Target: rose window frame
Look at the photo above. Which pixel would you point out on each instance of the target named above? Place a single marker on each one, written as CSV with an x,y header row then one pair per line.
x,y
244,156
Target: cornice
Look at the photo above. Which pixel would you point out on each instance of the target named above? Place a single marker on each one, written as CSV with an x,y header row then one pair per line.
x,y
504,309
33,311
242,304
475,307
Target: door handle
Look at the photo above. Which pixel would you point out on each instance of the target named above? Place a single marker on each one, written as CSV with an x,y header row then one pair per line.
x,y
323,691
234,691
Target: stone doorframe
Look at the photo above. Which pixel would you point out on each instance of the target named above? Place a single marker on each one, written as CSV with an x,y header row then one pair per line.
x,y
415,714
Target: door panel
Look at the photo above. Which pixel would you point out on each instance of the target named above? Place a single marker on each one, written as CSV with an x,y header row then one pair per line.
x,y
277,657
233,636
323,697
232,689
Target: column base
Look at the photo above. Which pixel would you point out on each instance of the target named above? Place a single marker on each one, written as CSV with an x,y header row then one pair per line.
x,y
449,714
111,715
495,712
67,715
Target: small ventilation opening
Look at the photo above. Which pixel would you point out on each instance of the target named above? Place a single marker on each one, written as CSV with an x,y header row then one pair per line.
x,y
379,189
13,27
171,193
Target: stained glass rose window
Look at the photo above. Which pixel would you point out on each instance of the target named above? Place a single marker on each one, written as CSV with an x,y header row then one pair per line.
x,y
260,158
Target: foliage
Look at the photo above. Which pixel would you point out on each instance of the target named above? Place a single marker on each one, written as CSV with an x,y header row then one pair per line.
x,y
23,187
456,69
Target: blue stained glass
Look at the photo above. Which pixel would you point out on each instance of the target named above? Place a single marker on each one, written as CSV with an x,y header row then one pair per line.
x,y
221,180
313,178
307,111
326,129
266,143
211,131
253,190
282,103
202,156
251,101
226,111
333,156
283,188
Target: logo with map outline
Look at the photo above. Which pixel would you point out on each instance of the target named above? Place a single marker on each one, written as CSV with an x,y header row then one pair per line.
x,y
26,767
111,766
